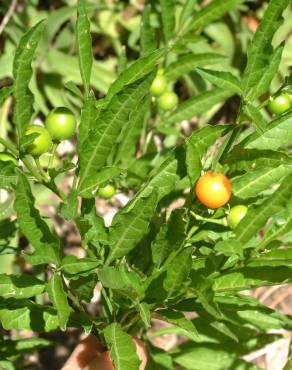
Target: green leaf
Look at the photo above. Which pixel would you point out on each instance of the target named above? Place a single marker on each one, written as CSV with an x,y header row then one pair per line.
x,y
99,143
131,133
240,159
177,273
87,120
257,216
84,44
46,245
5,92
249,277
275,257
11,347
170,237
97,179
129,226
179,320
187,63
222,79
168,18
147,38
22,73
20,286
197,145
214,10
268,74
121,279
208,358
69,209
8,177
253,183
25,315
198,104
122,349
72,265
187,11
257,119
277,134
136,71
260,49
145,314
58,297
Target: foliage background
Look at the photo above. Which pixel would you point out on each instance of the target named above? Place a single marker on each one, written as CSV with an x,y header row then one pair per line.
x,y
115,27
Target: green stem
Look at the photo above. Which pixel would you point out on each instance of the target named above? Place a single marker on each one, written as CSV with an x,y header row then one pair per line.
x,y
51,161
9,146
45,176
221,221
32,170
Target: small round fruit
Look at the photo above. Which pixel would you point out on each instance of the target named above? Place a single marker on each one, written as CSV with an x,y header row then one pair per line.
x,y
279,104
6,157
42,143
213,189
168,100
107,192
236,214
61,123
158,86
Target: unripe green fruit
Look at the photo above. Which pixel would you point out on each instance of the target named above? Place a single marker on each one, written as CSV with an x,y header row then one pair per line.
x,y
42,143
279,104
168,100
6,157
158,86
107,192
236,214
61,124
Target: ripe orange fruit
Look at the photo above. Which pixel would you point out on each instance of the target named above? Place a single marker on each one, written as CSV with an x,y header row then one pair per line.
x,y
213,189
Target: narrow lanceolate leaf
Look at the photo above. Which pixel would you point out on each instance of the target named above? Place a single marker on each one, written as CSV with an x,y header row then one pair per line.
x,y
177,273
268,74
72,265
240,159
163,180
5,92
22,73
147,37
20,286
278,134
197,145
177,319
138,69
189,62
131,133
276,233
222,79
257,119
101,139
88,118
260,49
122,348
46,245
84,44
257,216
25,315
199,104
187,11
129,227
58,297
253,183
214,10
168,18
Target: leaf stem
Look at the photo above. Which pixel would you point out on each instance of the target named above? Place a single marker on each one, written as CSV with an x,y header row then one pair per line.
x,y
44,174
9,146
52,157
221,221
32,169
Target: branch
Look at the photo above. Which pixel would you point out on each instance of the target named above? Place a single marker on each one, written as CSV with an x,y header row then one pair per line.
x,y
8,15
